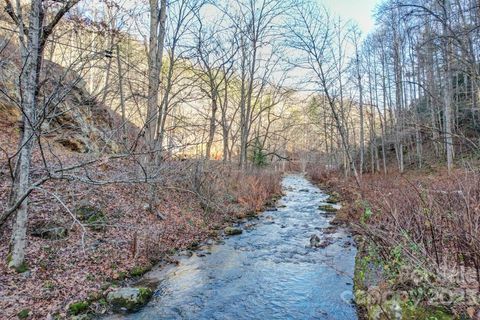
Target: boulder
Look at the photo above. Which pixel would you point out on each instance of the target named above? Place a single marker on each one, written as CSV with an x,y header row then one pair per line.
x,y
129,299
231,231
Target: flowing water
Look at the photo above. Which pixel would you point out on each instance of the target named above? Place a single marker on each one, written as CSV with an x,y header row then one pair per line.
x,y
268,272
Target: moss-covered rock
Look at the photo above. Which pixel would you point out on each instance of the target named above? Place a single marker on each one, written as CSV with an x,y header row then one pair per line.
x,y
140,270
327,208
129,299
231,231
76,308
92,216
50,232
316,242
334,198
86,211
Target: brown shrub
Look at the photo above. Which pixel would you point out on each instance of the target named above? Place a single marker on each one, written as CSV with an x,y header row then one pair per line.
x,y
432,219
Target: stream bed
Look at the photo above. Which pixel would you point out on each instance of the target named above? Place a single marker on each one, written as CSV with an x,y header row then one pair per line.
x,y
270,271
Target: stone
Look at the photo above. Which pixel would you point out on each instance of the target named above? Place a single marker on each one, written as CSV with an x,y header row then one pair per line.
x,y
250,225
231,231
50,232
347,244
86,211
92,216
327,208
316,242
333,199
330,230
129,299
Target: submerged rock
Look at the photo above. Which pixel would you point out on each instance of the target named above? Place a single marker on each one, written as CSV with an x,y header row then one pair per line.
x,y
231,231
250,225
330,230
129,299
316,242
271,209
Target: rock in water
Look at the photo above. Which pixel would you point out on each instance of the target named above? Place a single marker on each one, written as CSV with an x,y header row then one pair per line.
x,y
129,299
231,231
314,240
334,198
328,208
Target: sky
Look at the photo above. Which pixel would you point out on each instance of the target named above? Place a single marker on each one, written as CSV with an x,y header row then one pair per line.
x,y
360,11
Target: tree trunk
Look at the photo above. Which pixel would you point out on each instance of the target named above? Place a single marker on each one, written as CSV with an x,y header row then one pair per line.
x,y
213,124
31,59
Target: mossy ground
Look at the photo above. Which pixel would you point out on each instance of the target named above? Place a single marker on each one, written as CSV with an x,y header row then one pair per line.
x,y
24,314
377,304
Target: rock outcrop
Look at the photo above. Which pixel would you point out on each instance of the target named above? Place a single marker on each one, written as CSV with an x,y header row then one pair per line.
x,y
71,116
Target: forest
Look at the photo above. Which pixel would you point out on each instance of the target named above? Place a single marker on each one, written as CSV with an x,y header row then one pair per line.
x,y
156,153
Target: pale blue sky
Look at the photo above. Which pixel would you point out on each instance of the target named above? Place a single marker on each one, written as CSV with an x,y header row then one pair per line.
x,y
360,11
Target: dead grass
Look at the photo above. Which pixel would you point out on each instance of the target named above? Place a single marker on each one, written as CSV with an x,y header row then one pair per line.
x,y
421,220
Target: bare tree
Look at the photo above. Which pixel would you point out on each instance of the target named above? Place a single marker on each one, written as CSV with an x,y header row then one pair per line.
x,y
32,40
313,34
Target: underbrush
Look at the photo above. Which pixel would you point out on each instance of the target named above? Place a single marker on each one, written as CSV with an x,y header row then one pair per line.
x,y
192,201
420,235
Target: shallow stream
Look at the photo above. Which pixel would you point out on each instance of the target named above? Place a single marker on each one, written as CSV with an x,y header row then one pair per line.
x,y
270,271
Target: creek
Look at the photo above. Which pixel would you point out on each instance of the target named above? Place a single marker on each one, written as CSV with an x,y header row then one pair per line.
x,y
270,271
